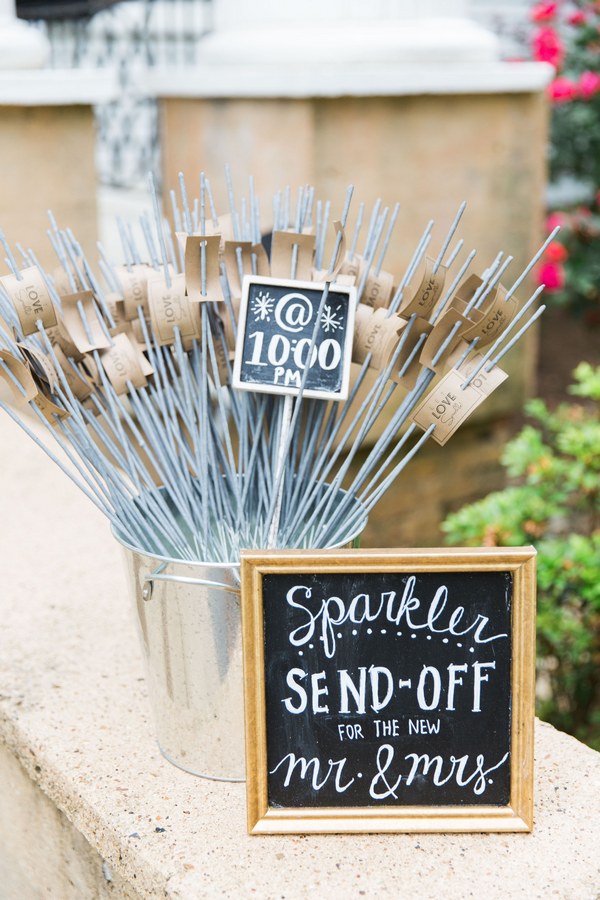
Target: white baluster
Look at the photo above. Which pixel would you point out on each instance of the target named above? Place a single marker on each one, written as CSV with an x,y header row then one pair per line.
x,y
22,46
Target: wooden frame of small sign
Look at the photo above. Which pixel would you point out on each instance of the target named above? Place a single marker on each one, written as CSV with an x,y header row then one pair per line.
x,y
389,690
272,357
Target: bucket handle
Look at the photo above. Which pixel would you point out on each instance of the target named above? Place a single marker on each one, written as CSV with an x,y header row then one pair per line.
x,y
158,575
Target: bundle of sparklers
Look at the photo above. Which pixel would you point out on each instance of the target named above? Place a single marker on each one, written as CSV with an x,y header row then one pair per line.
x,y
129,368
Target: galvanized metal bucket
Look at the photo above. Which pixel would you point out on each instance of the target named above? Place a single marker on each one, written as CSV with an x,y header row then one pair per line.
x,y
190,627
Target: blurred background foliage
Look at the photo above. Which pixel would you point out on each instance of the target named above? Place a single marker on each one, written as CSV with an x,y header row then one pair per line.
x,y
553,502
552,498
567,35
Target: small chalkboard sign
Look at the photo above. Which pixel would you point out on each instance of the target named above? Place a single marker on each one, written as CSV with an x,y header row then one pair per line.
x,y
389,690
285,329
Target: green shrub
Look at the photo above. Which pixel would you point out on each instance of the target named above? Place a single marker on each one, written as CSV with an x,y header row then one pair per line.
x,y
553,502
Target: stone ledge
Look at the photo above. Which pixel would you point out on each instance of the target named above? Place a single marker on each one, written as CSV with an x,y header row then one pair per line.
x,y
58,87
74,714
339,79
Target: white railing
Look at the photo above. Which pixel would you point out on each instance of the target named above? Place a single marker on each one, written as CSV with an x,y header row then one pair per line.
x,y
129,36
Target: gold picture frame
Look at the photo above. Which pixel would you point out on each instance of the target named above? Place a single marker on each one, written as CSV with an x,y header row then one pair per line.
x,y
516,815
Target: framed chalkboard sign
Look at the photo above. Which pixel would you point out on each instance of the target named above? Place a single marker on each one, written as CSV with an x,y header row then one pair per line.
x,y
389,690
288,327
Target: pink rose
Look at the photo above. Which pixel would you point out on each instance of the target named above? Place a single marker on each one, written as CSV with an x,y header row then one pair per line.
x,y
556,252
554,219
577,18
589,84
548,47
562,90
552,275
543,12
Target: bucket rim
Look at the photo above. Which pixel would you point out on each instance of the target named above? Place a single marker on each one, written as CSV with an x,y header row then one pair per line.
x,y
171,559
235,564
220,565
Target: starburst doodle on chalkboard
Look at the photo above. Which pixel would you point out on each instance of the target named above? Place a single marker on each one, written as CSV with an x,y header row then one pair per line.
x,y
331,321
262,306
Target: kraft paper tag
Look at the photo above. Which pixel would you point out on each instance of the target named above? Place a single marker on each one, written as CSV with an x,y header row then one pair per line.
x,y
447,406
460,306
468,288
122,365
116,306
473,318
63,284
353,265
170,309
78,382
139,349
496,316
22,373
341,253
48,408
261,260
60,337
376,334
31,299
34,388
193,268
409,379
72,320
138,333
97,413
237,255
134,284
222,227
378,289
440,333
283,247
41,364
428,293
486,382
452,360
88,364
322,275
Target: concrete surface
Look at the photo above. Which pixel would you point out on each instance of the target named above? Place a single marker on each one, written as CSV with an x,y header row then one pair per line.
x,y
85,795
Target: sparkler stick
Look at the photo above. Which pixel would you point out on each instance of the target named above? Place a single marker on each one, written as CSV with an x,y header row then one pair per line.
x,y
161,237
289,417
499,340
182,464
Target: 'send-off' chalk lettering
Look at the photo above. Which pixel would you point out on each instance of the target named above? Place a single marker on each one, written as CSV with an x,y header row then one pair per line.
x,y
275,348
389,689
